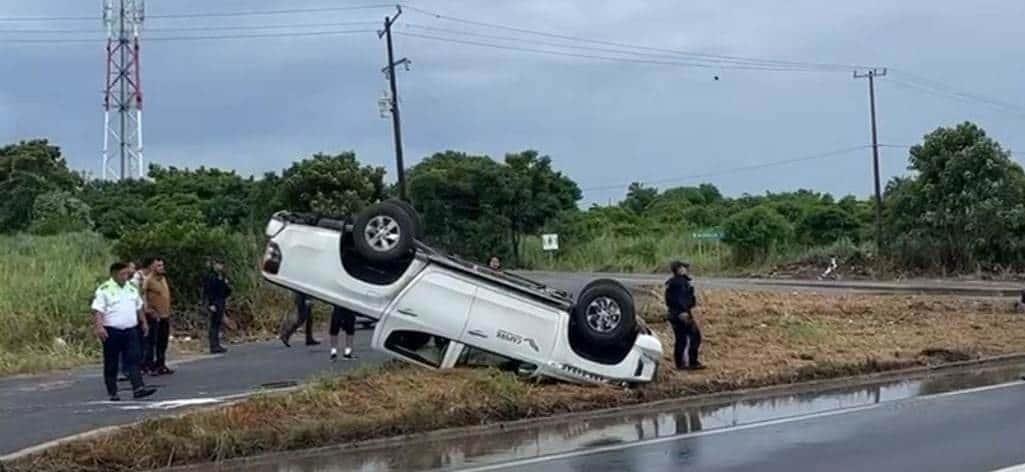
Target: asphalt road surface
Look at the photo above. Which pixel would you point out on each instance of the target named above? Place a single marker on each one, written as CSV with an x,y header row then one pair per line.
x,y
37,409
976,430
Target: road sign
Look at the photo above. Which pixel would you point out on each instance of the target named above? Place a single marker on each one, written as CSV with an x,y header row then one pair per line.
x,y
550,242
707,234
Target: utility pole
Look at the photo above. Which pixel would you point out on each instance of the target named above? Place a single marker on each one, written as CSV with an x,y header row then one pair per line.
x,y
871,74
393,100
123,89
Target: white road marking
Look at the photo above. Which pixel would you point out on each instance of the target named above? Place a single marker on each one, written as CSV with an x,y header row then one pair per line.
x,y
792,419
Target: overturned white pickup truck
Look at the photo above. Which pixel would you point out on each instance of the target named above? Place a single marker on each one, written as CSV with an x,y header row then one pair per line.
x,y
439,311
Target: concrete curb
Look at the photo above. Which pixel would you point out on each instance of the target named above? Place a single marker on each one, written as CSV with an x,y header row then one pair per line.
x,y
461,432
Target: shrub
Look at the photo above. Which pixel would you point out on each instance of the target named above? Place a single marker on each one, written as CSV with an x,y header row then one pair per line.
x,y
754,232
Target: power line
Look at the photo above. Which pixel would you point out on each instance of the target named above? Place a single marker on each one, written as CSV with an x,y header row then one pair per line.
x,y
193,38
823,155
204,28
276,12
939,89
589,56
712,63
207,14
725,58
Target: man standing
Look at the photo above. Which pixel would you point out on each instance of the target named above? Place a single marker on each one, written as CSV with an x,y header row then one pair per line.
x,y
157,296
342,319
681,301
304,314
117,313
216,290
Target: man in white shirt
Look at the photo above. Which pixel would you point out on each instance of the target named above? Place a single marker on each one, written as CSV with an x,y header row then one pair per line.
x,y
117,314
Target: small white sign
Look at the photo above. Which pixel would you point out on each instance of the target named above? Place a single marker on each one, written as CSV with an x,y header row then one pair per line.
x,y
550,242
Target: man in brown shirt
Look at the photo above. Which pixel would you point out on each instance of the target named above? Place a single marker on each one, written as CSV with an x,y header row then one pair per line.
x,y
157,295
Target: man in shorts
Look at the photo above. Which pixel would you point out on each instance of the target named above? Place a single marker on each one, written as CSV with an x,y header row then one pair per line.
x,y
342,319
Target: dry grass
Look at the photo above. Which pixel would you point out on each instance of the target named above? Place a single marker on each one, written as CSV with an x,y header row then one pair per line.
x,y
751,339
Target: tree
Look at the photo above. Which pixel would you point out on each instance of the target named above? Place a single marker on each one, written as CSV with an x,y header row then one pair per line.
x,y
27,170
639,198
827,224
965,204
755,232
331,185
59,212
461,198
539,193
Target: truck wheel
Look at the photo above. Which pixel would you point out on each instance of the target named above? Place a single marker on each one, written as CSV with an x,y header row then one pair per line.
x,y
383,232
604,314
418,221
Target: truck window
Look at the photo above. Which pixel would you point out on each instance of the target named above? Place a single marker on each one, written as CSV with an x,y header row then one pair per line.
x,y
474,357
419,346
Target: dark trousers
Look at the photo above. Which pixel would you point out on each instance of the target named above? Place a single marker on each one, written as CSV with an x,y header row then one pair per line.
x,y
121,344
155,346
304,315
138,359
216,320
688,341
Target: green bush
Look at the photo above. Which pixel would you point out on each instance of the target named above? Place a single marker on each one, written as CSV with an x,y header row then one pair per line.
x,y
59,212
187,248
755,232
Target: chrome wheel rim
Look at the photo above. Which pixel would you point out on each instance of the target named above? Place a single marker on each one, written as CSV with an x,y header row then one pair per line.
x,y
604,315
382,233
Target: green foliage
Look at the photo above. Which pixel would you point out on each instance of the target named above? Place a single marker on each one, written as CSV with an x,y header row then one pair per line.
x,y
964,207
639,198
46,285
821,225
476,207
59,212
28,170
753,233
331,185
187,247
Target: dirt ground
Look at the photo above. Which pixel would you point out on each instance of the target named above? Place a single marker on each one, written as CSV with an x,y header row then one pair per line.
x,y
751,339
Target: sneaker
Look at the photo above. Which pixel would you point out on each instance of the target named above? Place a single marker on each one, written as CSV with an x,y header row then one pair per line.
x,y
115,398
162,370
349,355
334,354
697,366
312,342
284,340
143,392
218,350
123,378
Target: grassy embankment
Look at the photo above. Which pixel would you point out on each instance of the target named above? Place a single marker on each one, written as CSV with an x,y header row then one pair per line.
x,y
752,339
650,254
47,284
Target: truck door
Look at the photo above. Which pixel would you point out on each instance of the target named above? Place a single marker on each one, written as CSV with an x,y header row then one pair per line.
x,y
425,320
505,324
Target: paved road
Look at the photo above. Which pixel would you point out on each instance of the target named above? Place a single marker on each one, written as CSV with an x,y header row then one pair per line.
x,y
967,431
38,409
62,404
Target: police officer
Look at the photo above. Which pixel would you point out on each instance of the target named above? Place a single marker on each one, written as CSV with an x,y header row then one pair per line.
x,y
117,317
680,302
216,290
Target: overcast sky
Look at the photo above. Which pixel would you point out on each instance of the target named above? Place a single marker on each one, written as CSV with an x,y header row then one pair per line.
x,y
258,104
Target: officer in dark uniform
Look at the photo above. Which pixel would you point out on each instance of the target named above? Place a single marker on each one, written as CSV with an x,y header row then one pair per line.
x,y
216,290
680,302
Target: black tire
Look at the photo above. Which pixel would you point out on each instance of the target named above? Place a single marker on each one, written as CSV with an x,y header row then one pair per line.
x,y
414,215
383,232
604,315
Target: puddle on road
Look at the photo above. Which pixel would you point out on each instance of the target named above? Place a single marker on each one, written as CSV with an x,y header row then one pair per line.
x,y
501,446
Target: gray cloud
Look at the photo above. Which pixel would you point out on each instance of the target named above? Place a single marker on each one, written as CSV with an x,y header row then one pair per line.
x,y
258,104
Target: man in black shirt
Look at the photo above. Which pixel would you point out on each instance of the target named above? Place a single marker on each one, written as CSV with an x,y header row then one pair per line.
x,y
216,290
680,301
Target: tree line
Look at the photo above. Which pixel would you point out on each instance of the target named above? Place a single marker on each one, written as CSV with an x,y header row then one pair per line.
x,y
959,208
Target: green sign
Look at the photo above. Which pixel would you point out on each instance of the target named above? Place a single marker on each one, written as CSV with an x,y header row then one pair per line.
x,y
707,234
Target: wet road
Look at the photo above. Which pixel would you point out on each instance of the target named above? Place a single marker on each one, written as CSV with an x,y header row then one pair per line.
x,y
748,432
968,431
38,409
